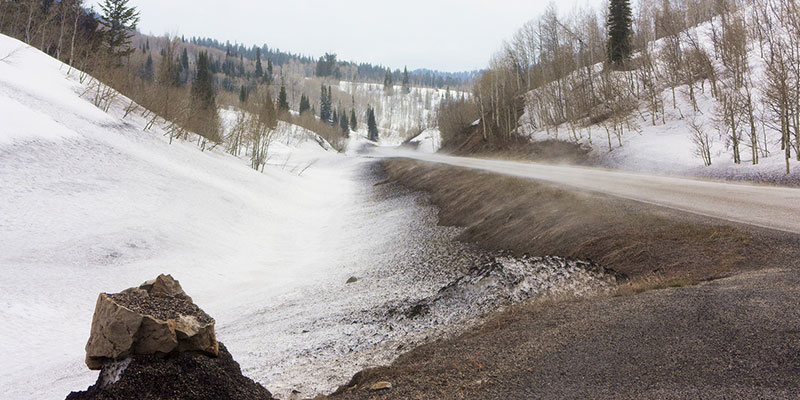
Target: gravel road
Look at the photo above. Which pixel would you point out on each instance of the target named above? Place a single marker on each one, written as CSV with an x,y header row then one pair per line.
x,y
759,205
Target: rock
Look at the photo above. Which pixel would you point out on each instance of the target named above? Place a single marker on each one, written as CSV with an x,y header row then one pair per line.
x,y
165,286
158,317
382,385
352,279
176,376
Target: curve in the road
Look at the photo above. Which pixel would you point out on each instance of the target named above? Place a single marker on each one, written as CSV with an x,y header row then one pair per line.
x,y
759,205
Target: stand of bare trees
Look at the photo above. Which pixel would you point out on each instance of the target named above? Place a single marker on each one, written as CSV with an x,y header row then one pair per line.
x,y
743,55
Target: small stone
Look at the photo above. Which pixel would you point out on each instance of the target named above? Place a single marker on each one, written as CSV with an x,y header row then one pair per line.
x,y
165,286
382,385
352,279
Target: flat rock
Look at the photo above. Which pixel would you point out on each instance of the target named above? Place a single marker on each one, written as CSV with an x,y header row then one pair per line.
x,y
382,385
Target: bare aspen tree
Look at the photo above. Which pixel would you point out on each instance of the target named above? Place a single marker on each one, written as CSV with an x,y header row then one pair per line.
x,y
702,140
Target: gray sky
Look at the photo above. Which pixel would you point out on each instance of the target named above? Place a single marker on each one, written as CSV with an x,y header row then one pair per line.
x,y
447,35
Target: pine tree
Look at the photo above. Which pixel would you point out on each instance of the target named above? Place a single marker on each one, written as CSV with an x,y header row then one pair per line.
x,y
353,121
204,120
388,85
185,59
119,22
283,104
344,124
325,105
372,125
148,71
305,105
406,81
243,95
268,76
619,31
335,119
259,69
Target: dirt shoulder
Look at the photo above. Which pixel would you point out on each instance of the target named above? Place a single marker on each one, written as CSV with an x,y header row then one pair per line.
x,y
735,335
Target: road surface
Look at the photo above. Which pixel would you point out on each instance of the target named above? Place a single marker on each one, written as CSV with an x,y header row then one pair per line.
x,y
759,205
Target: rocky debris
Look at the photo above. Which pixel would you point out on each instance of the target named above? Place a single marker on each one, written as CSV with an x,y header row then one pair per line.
x,y
382,385
158,317
153,342
178,376
502,281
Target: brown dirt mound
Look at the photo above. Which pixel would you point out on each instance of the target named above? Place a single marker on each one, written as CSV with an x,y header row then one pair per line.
x,y
180,376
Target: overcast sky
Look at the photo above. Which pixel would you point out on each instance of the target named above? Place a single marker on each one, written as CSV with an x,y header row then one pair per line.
x,y
447,35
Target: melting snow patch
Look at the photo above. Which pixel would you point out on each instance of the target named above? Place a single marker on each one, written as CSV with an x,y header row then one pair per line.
x,y
505,281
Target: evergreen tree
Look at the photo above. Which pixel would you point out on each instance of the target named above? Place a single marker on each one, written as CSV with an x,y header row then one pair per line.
x,y
372,125
268,76
119,22
619,31
325,105
243,94
353,121
305,105
185,58
388,85
406,81
204,120
335,119
283,104
148,71
259,70
327,65
344,124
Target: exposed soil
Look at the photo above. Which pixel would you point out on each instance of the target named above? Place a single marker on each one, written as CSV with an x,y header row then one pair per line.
x,y
735,334
187,376
519,148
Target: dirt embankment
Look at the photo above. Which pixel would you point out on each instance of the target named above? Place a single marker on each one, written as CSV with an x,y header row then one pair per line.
x,y
636,240
733,337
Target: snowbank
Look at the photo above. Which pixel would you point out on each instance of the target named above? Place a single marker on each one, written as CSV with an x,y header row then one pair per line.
x,y
429,141
90,202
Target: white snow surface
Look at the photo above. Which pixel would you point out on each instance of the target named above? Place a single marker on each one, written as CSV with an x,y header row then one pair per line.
x,y
429,141
91,203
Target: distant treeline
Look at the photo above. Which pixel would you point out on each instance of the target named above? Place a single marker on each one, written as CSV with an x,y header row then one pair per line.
x,y
364,72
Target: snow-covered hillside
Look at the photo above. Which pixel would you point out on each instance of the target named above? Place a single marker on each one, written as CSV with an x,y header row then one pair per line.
x,y
90,202
398,114
665,144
